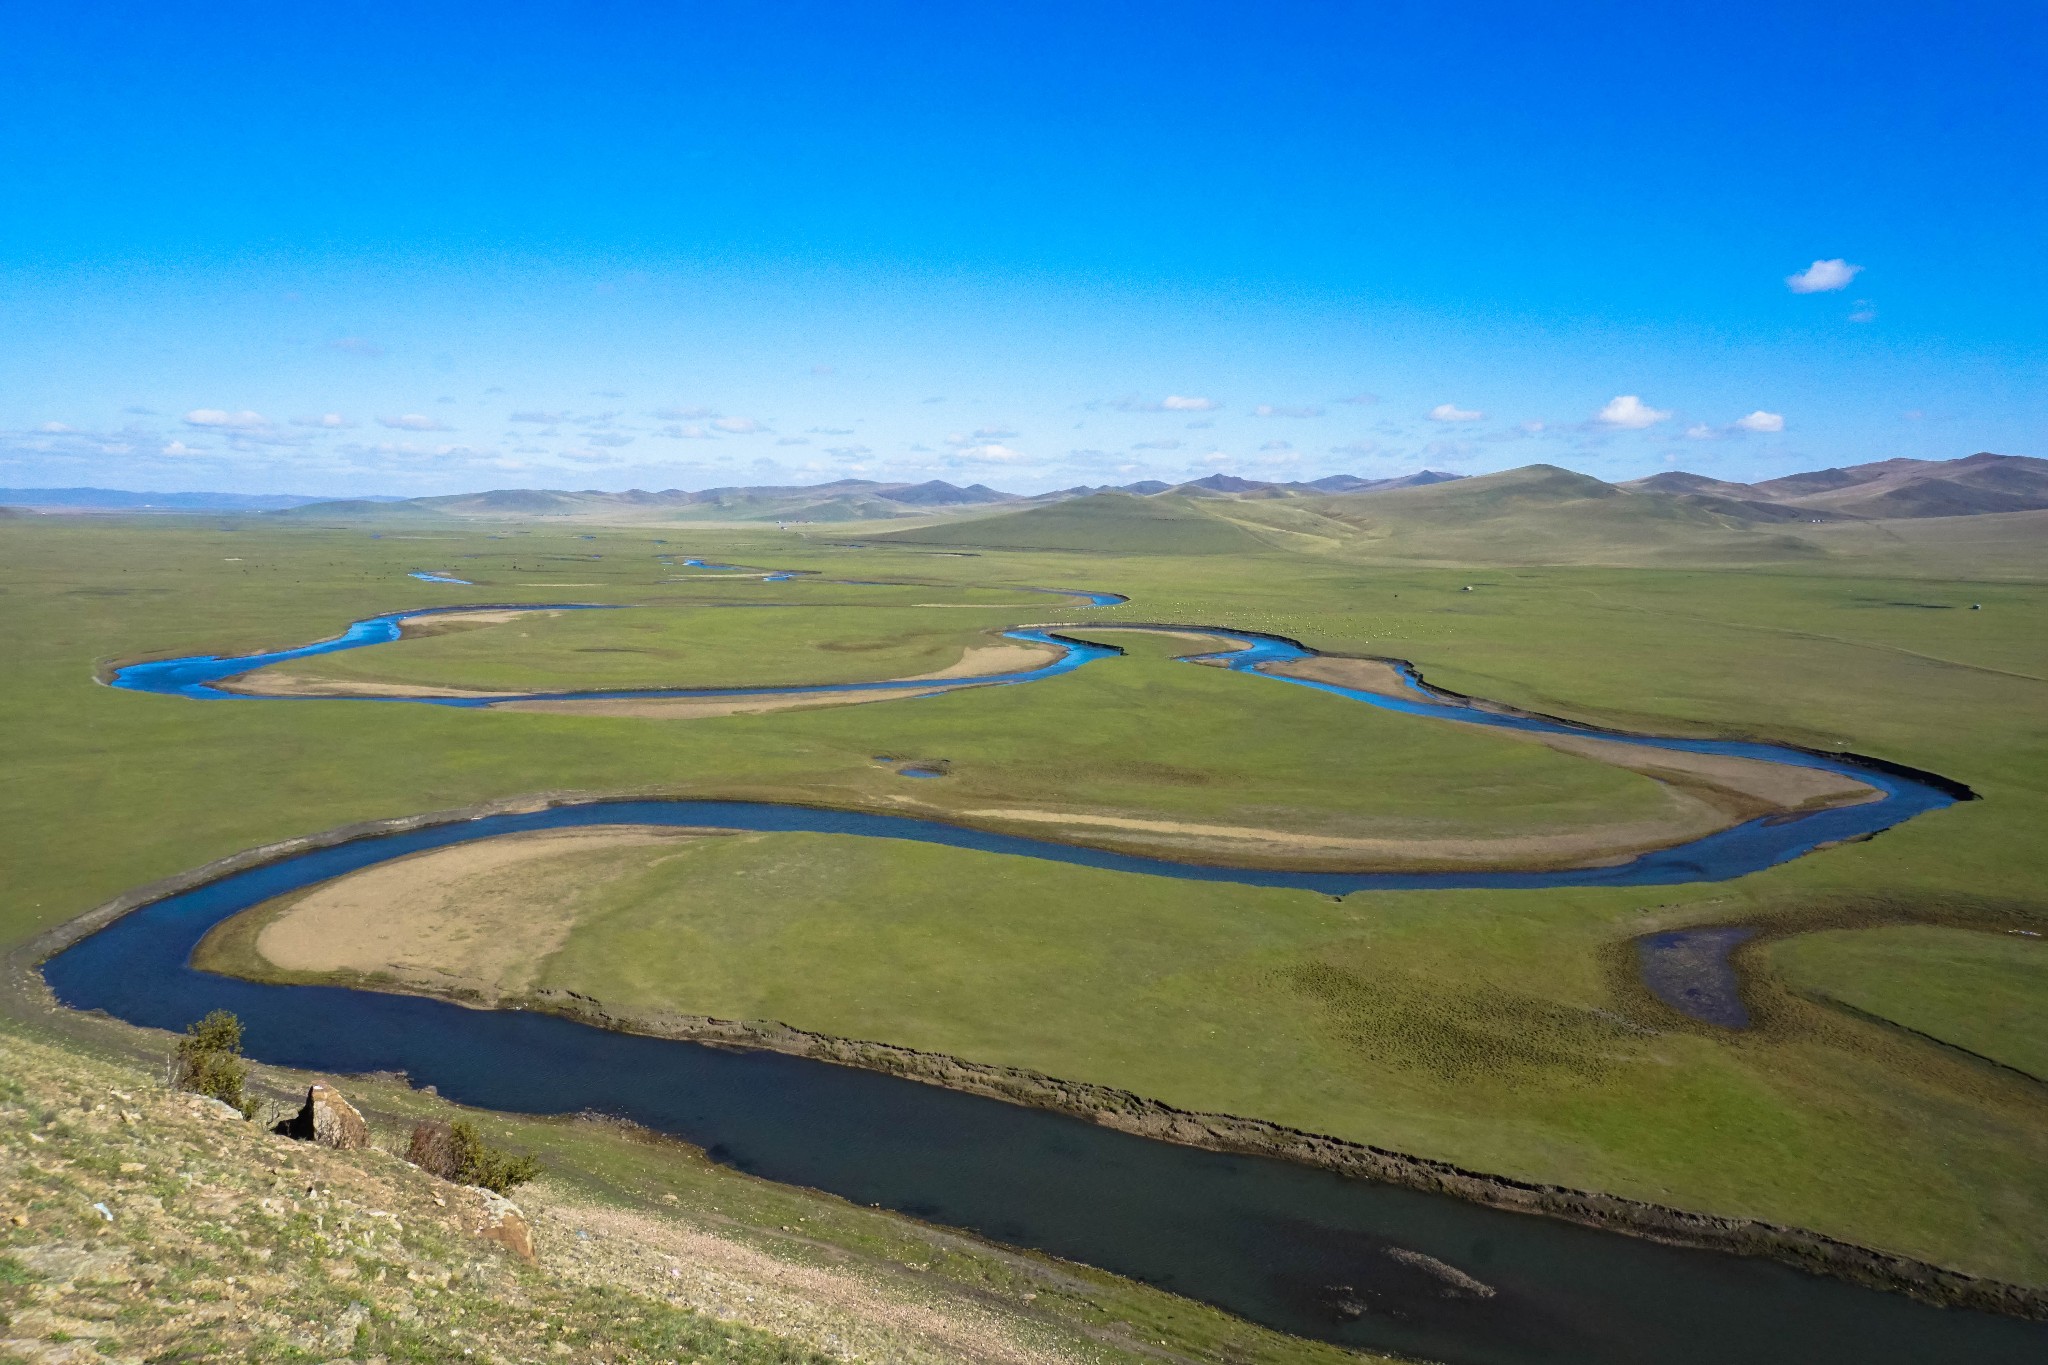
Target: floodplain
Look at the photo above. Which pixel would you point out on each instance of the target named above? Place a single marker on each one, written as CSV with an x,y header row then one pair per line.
x,y
1888,1091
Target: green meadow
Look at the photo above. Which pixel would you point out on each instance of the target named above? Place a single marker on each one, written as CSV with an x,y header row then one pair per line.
x,y
1880,1097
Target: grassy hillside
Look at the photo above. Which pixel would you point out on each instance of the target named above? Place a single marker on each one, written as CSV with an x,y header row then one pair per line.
x,y
1108,523
227,1243
1545,515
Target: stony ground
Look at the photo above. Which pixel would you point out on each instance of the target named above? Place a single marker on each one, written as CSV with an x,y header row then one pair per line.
x,y
145,1225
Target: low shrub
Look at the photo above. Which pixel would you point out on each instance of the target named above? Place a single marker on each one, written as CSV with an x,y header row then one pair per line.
x,y
457,1151
209,1060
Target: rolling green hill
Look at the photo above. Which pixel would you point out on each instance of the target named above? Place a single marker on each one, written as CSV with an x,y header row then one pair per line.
x,y
1541,514
1116,523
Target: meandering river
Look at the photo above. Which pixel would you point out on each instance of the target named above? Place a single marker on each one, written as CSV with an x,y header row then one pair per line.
x,y
1351,1261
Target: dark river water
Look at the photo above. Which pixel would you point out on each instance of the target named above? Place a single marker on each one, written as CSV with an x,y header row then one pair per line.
x,y
1301,1250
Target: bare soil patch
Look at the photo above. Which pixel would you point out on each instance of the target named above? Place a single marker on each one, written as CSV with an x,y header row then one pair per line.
x,y
693,708
477,920
1742,788
982,661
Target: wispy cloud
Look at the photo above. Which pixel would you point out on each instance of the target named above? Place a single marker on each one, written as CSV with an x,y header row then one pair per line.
x,y
686,431
1451,412
1361,400
1156,445
992,453
738,426
1173,402
684,414
1273,410
608,438
221,419
1627,412
330,421
1823,276
545,419
413,421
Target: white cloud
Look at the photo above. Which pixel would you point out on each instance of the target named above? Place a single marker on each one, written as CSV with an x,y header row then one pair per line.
x,y
687,431
1451,412
991,453
1173,402
1277,445
739,426
994,433
222,420
332,421
1700,431
1762,421
414,421
1865,311
545,419
1270,410
609,439
177,448
1156,445
1630,413
1823,276
57,428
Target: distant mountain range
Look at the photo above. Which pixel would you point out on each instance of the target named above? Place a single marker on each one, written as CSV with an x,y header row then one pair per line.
x,y
1538,514
1887,489
116,500
845,500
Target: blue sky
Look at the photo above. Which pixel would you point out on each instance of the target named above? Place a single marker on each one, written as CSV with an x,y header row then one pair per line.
x,y
375,248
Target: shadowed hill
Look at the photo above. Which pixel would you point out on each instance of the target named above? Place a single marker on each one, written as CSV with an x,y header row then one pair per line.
x,y
358,509
1109,522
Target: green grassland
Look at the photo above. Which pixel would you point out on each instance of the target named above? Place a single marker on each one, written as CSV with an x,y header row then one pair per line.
x,y
1979,992
856,639
1188,742
1502,1031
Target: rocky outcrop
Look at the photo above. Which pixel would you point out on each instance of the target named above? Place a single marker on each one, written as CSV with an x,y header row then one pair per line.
x,y
327,1119
504,1224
